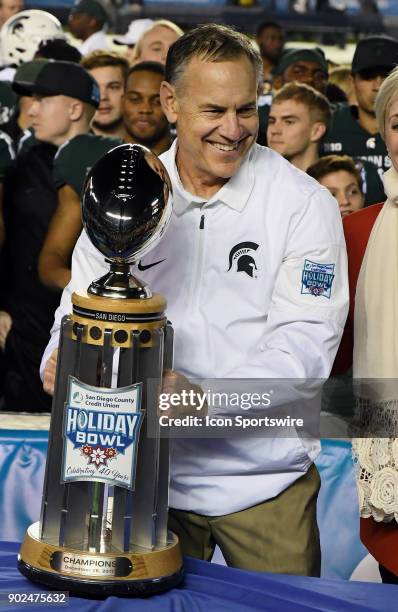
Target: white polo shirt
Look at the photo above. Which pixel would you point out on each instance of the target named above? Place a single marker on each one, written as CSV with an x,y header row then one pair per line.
x,y
244,277
96,41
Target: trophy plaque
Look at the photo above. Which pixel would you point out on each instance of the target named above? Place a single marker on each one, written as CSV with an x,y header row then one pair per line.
x,y
103,524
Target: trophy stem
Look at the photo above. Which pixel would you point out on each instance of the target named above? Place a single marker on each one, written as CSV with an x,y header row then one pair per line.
x,y
119,283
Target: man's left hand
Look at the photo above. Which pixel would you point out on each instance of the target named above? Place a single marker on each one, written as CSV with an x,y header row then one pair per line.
x,y
176,384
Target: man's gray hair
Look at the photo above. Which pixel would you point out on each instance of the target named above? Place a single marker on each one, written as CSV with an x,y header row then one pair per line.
x,y
212,43
387,94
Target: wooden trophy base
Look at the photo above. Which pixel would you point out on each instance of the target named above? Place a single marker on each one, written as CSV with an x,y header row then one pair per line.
x,y
100,574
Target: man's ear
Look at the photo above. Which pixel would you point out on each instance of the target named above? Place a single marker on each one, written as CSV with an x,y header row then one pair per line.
x,y
76,110
318,130
169,102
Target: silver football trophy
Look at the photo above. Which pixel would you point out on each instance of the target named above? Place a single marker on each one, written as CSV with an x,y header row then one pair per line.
x,y
103,525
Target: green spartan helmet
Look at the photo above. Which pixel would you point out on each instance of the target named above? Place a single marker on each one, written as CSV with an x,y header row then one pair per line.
x,y
246,264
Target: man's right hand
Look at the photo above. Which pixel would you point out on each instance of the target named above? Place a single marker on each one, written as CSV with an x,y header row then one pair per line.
x,y
49,373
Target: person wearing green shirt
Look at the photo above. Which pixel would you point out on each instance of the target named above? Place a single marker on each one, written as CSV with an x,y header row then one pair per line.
x,y
298,120
354,130
308,66
75,158
110,70
144,124
65,98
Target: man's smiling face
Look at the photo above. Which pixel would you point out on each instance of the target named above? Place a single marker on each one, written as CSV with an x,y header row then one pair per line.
x,y
215,108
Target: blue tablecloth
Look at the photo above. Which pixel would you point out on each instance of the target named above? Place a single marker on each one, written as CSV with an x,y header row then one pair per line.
x,y
213,588
22,461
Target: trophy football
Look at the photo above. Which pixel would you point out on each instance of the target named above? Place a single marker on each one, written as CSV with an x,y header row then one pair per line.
x,y
103,525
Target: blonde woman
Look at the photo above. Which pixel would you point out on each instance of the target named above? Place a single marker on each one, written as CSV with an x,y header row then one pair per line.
x,y
154,43
372,244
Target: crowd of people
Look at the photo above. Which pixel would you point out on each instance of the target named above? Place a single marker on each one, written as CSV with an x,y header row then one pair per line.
x,y
256,139
64,114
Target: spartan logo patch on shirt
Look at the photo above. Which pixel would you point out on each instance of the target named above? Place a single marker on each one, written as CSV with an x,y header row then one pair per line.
x,y
242,258
317,278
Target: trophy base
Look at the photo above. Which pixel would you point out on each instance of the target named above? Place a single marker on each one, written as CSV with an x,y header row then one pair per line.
x,y
100,588
100,574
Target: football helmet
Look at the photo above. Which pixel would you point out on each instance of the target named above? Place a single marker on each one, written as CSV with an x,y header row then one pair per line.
x,y
22,33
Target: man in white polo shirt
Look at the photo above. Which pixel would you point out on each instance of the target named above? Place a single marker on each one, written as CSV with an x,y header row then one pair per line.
x,y
233,264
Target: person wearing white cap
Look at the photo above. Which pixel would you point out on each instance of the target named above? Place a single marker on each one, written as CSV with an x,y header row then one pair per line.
x,y
135,30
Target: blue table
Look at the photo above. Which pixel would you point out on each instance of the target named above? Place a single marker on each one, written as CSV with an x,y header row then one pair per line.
x,y
214,588
22,461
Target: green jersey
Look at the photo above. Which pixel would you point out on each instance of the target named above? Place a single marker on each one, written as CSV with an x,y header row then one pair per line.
x,y
264,107
26,142
372,185
8,101
346,136
75,158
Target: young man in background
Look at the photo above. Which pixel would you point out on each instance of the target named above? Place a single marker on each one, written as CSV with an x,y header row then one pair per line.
x,y
110,70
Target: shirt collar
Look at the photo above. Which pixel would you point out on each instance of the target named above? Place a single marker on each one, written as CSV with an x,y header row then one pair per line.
x,y
99,35
235,193
98,38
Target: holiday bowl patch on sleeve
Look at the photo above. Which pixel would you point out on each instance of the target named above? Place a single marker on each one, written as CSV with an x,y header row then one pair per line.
x,y
317,278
